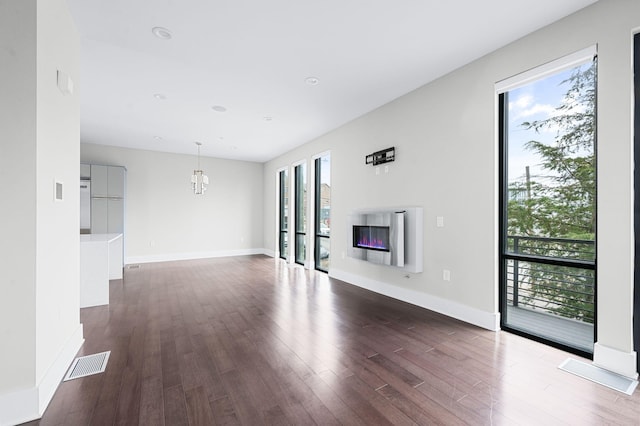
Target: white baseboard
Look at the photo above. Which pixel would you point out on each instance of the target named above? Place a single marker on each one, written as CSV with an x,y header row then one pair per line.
x,y
269,253
20,406
487,320
623,363
168,257
56,372
29,404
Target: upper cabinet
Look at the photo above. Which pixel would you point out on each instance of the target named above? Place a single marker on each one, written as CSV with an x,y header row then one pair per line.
x,y
85,171
107,181
115,181
99,181
107,199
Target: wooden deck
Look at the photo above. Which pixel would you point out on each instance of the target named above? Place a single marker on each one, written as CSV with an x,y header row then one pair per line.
x,y
249,341
572,333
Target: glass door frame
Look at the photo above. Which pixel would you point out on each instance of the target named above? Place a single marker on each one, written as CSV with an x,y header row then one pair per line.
x,y
300,212
504,255
283,225
319,236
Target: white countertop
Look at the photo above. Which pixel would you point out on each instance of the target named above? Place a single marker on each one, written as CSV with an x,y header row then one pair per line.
x,y
98,238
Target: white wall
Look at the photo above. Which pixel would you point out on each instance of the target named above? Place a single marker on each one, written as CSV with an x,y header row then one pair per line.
x,y
40,325
17,158
446,149
58,151
164,220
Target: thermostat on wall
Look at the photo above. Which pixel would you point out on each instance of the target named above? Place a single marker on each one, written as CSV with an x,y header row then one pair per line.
x,y
57,191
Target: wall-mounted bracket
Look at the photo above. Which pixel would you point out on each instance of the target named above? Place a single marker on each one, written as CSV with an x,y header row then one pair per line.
x,y
381,157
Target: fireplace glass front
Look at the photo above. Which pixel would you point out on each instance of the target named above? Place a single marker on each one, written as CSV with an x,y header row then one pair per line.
x,y
371,237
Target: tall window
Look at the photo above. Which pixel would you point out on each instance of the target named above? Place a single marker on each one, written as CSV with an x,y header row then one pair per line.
x,y
283,183
548,206
322,212
301,212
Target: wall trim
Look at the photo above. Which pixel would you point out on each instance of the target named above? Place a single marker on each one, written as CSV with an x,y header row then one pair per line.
x,y
29,404
167,257
623,363
19,407
55,373
487,320
270,253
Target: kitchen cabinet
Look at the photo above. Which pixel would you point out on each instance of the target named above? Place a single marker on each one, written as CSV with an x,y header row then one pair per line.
x,y
85,171
115,215
115,182
99,181
107,181
99,216
107,199
107,215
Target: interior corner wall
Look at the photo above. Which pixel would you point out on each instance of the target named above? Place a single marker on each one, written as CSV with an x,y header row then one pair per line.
x,y
40,325
445,136
165,220
18,208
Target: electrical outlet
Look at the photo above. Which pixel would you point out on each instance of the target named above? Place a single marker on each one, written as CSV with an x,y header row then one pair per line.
x,y
446,275
440,221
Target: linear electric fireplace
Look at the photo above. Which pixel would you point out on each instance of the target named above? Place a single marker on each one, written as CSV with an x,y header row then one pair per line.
x,y
389,237
371,237
378,237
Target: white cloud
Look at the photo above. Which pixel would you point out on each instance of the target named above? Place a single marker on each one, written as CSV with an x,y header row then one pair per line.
x,y
521,103
547,110
524,107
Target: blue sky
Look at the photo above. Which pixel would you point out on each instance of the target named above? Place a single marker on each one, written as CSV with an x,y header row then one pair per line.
x,y
535,101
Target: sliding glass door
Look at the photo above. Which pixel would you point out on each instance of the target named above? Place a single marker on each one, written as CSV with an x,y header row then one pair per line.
x,y
548,207
300,178
322,212
283,222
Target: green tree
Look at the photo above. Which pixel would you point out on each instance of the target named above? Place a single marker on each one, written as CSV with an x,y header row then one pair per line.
x,y
560,204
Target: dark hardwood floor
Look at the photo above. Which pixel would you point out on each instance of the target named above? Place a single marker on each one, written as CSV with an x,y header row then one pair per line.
x,y
250,341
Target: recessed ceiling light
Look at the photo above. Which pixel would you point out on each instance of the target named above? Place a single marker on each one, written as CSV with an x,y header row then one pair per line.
x,y
161,32
159,96
219,108
312,81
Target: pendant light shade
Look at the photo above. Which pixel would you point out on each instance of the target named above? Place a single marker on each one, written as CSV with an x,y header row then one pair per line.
x,y
199,180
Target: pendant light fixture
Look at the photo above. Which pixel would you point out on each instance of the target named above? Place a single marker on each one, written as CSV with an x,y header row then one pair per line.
x,y
199,180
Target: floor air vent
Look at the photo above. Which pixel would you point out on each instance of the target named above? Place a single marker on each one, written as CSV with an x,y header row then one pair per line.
x,y
87,365
599,375
133,266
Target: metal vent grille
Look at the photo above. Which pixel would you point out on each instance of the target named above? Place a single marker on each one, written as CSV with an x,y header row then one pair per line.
x,y
133,266
87,365
599,375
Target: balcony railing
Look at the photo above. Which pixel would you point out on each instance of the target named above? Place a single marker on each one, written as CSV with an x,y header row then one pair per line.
x,y
552,275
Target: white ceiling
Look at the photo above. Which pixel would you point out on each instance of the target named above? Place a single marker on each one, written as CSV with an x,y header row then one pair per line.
x,y
253,56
